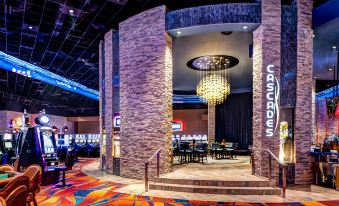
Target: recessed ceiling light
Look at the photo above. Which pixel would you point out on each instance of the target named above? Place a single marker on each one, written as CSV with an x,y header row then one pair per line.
x,y
314,77
244,27
178,32
30,27
334,47
330,69
313,35
71,11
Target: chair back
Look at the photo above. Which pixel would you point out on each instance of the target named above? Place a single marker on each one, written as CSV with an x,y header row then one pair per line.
x,y
235,146
17,197
33,172
16,182
215,145
203,146
184,145
229,144
2,202
7,168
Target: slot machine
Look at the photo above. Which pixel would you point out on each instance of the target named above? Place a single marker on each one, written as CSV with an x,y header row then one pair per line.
x,y
7,148
39,147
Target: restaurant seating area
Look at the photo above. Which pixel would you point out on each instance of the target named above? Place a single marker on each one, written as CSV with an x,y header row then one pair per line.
x,y
197,149
19,188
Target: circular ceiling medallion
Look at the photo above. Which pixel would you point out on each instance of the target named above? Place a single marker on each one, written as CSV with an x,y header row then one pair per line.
x,y
212,62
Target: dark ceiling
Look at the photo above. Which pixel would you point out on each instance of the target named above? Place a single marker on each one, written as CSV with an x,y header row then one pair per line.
x,y
46,33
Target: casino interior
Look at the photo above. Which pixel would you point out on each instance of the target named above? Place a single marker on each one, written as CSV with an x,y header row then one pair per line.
x,y
123,102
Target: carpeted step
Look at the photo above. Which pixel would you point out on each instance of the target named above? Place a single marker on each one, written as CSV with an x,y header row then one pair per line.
x,y
216,189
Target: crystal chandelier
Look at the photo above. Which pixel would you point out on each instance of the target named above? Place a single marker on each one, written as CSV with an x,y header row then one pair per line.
x,y
213,89
214,86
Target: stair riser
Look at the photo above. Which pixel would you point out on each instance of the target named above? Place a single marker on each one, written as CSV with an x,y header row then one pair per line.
x,y
217,191
216,183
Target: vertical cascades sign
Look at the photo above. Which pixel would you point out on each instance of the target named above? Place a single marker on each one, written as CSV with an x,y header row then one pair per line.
x,y
272,104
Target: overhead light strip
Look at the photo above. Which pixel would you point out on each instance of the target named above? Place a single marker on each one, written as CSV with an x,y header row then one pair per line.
x,y
24,68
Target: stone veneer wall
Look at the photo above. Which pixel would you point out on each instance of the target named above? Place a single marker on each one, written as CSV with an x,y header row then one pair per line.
x,y
266,51
108,48
211,123
101,103
324,125
109,98
303,111
213,14
145,92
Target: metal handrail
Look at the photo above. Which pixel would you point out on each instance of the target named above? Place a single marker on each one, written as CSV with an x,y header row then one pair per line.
x,y
283,165
157,153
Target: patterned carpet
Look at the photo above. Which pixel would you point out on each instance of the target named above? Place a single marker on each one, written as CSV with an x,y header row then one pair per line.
x,y
86,190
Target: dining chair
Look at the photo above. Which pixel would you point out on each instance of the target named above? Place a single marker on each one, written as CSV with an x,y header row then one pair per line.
x,y
17,197
7,168
12,185
33,172
202,151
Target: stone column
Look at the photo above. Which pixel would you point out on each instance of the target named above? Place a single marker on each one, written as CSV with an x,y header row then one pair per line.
x,y
303,110
211,123
266,51
145,92
101,102
109,99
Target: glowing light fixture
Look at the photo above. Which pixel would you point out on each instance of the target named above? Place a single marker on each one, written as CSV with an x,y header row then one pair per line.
x,y
214,86
245,27
213,89
21,67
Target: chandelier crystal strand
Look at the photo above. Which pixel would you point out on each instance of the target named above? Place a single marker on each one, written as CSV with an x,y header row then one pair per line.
x,y
213,89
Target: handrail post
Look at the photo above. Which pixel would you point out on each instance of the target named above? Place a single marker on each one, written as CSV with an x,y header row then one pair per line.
x,y
146,176
252,161
158,164
283,181
269,167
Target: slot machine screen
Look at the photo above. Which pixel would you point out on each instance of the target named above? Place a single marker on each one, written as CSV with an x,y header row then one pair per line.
x,y
48,143
116,120
177,126
7,136
66,138
8,145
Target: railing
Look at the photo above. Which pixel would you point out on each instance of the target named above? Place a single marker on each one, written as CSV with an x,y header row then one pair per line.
x,y
157,153
283,166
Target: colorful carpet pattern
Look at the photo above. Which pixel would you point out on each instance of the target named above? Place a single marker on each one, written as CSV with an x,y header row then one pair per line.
x,y
85,190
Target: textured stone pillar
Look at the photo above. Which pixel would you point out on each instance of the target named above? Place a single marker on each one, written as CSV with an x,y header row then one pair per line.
x,y
266,51
211,123
101,103
109,94
303,110
109,99
145,92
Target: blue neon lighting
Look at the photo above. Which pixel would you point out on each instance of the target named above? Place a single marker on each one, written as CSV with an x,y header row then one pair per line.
x,y
328,93
21,67
186,99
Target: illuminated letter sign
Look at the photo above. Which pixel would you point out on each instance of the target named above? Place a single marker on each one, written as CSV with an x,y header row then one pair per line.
x,y
272,98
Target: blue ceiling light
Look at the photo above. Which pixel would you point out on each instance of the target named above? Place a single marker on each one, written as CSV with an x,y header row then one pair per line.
x,y
21,67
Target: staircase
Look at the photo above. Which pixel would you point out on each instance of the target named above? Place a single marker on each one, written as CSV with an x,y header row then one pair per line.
x,y
230,187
